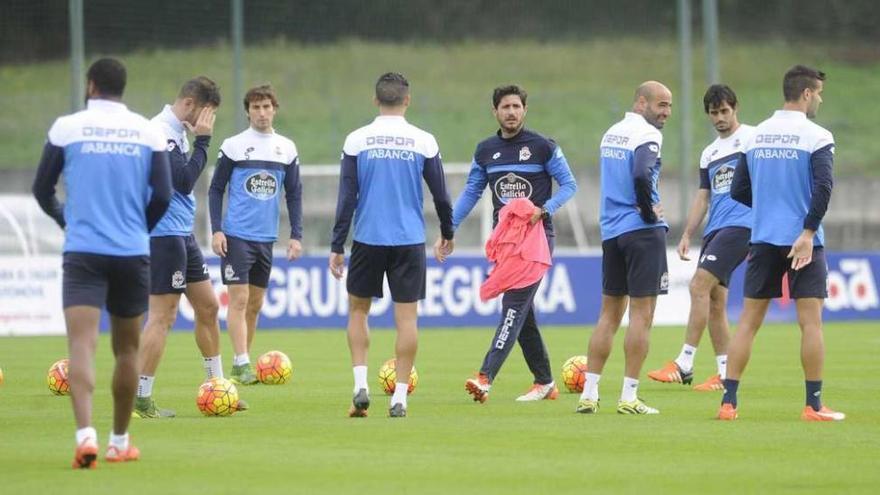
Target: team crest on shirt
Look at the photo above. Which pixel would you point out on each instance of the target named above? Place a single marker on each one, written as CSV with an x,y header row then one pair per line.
x,y
229,272
261,185
524,153
722,179
171,146
177,280
512,186
278,151
664,281
736,143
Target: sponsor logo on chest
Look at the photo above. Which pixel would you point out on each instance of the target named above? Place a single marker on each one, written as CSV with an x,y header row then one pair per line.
x,y
722,179
512,186
261,185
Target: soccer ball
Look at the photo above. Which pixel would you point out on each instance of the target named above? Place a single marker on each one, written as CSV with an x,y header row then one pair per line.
x,y
56,378
217,397
274,368
573,373
388,377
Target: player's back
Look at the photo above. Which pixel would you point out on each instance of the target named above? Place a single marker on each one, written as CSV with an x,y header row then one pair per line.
x,y
618,213
779,163
108,155
391,155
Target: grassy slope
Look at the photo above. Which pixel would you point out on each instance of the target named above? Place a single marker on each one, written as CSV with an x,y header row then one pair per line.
x,y
578,90
296,438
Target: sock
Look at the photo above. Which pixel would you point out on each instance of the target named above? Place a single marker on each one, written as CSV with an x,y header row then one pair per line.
x,y
685,359
213,367
814,394
399,396
241,359
721,359
591,387
360,378
119,441
145,386
730,387
84,433
630,389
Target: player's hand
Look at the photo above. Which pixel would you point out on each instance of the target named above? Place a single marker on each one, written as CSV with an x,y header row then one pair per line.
x,y
337,265
218,244
684,247
802,250
536,215
443,248
294,249
204,122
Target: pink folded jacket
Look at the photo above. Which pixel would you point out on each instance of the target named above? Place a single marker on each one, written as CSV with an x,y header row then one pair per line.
x,y
518,249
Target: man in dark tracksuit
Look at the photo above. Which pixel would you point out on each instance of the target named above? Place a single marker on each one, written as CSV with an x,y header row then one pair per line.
x,y
516,163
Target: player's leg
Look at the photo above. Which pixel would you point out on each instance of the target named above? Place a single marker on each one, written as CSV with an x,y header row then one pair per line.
x,y
406,280
635,348
160,317
366,273
256,297
235,271
537,359
201,295
719,332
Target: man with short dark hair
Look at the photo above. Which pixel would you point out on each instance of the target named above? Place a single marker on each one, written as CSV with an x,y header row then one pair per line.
x,y
380,185
785,176
254,163
517,163
725,241
176,263
634,270
118,185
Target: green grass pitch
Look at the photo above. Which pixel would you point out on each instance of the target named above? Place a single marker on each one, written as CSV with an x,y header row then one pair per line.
x,y
297,439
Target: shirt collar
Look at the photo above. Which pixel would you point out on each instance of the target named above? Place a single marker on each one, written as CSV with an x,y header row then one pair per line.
x,y
108,105
167,116
790,114
390,118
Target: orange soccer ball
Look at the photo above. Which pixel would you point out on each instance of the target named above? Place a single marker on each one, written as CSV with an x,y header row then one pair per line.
x,y
56,378
388,377
217,397
274,368
573,373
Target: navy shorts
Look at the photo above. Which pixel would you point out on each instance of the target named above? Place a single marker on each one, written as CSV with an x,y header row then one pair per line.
x,y
246,262
723,250
404,265
174,262
634,264
768,263
122,283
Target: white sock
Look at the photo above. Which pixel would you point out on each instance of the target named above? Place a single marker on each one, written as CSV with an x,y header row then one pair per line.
x,y
399,396
84,433
591,387
213,367
145,386
685,359
630,389
241,359
360,378
119,441
721,359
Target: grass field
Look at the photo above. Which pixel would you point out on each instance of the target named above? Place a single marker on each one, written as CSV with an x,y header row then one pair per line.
x,y
578,89
296,438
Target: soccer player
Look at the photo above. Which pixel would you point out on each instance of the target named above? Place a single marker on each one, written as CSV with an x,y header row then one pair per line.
x,y
380,184
516,163
254,164
176,263
117,182
633,243
786,178
725,241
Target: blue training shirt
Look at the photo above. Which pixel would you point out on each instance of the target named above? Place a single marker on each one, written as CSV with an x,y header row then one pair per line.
x,y
522,166
180,217
254,165
116,179
717,165
383,165
786,176
629,164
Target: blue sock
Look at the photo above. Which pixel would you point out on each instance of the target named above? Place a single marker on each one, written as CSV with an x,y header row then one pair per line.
x,y
730,387
814,394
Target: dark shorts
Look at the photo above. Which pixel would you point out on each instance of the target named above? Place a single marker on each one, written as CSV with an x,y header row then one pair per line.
x,y
404,265
723,251
174,262
634,264
768,263
122,283
246,262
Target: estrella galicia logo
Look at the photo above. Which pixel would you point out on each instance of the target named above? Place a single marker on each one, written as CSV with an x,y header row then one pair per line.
x,y
261,185
512,186
722,179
